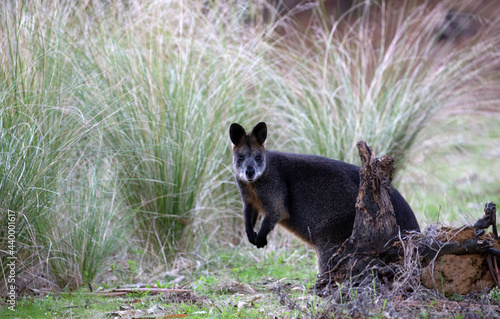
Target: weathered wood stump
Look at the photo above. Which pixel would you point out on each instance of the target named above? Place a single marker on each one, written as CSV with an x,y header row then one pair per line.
x,y
374,225
452,260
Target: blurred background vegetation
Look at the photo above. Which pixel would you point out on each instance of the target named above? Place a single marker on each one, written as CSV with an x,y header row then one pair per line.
x,y
114,114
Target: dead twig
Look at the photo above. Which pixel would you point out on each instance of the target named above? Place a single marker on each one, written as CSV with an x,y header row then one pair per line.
x,y
123,291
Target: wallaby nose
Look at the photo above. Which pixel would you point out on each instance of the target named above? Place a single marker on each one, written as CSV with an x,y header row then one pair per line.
x,y
250,172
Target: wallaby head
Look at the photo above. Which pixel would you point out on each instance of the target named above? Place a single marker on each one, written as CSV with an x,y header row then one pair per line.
x,y
249,154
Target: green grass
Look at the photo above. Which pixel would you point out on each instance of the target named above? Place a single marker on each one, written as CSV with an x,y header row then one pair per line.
x,y
36,142
450,176
168,97
215,291
92,228
47,153
218,294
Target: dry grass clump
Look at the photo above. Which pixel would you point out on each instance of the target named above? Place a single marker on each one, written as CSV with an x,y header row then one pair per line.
x,y
382,77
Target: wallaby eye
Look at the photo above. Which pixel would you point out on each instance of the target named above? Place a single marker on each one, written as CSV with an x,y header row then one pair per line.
x,y
241,157
257,158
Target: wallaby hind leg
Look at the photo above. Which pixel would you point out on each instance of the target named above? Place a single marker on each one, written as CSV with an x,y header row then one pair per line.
x,y
324,265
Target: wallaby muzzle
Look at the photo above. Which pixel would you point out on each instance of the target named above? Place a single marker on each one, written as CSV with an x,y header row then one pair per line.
x,y
250,172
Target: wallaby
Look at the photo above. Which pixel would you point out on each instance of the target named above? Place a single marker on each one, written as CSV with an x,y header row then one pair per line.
x,y
313,197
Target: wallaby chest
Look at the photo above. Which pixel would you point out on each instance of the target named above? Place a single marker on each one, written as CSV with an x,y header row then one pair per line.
x,y
250,196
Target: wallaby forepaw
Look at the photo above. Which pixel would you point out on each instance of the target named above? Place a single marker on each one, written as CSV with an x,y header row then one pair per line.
x,y
261,242
252,237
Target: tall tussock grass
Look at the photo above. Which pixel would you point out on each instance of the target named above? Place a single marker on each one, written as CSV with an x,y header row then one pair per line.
x,y
90,226
114,116
44,141
168,89
31,153
382,77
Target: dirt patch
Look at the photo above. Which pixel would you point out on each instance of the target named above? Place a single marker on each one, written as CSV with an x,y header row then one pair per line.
x,y
455,234
458,274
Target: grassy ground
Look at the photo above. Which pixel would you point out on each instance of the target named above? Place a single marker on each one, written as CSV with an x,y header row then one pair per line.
x,y
452,175
246,283
226,286
115,157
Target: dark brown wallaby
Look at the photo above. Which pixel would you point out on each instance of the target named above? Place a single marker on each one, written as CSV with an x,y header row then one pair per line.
x,y
314,197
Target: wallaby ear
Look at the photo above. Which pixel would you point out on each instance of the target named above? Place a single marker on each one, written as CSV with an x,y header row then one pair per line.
x,y
236,133
260,132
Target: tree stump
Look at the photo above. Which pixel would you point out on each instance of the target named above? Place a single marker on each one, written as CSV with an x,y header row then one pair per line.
x,y
374,225
375,246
